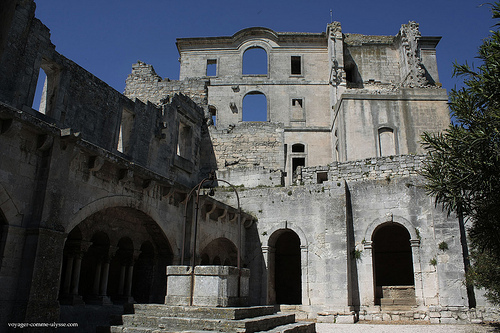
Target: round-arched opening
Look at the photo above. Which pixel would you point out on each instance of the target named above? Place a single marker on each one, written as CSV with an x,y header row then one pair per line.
x,y
287,268
254,107
218,251
393,263
116,255
255,61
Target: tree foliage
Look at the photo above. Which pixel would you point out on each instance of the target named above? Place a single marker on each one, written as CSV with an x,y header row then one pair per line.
x,y
463,164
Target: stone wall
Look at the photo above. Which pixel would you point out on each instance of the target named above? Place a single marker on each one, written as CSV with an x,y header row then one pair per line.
x,y
143,83
369,168
251,144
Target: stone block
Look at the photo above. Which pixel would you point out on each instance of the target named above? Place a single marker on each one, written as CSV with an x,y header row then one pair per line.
x,y
448,320
345,319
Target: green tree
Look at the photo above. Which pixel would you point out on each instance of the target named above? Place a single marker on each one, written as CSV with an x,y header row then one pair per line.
x,y
463,164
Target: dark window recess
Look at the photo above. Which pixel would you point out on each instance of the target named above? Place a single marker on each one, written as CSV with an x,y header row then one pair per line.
x,y
298,148
297,102
211,67
296,65
321,177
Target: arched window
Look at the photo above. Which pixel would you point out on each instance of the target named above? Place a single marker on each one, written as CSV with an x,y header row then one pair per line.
x,y
298,148
255,61
386,141
254,107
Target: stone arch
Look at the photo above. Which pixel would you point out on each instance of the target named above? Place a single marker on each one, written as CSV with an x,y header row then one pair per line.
x,y
117,201
124,253
220,250
391,218
255,61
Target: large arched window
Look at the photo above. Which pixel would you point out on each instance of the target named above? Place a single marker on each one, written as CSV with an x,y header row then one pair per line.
x,y
254,107
255,61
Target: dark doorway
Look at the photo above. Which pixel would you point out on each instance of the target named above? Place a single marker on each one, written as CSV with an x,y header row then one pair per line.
x,y
392,255
287,269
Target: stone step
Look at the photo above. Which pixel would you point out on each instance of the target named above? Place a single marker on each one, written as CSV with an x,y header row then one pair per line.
x,y
298,327
256,324
162,310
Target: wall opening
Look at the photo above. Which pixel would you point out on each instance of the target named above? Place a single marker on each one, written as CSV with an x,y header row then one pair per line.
x,y
211,67
298,148
386,141
144,274
184,141
46,88
218,251
287,269
255,61
212,111
296,65
321,177
393,265
254,107
298,109
125,133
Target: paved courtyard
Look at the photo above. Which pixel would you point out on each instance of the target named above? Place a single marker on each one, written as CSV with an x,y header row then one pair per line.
x,y
379,328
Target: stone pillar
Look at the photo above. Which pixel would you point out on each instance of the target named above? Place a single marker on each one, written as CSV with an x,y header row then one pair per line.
x,y
121,282
417,271
68,275
128,284
97,279
304,258
75,278
265,276
366,282
103,286
48,245
271,275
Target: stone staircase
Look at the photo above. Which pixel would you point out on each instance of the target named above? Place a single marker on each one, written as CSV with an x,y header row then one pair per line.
x,y
159,318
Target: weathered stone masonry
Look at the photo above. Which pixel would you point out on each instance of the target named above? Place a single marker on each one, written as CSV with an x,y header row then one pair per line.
x,y
337,224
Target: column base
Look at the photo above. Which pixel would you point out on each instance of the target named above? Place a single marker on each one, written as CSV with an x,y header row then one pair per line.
x,y
99,300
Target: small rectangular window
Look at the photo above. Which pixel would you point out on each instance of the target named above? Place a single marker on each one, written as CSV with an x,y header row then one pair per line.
x,y
321,177
211,67
296,65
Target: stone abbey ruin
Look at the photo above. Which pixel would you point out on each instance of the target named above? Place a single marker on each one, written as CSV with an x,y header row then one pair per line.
x,y
335,224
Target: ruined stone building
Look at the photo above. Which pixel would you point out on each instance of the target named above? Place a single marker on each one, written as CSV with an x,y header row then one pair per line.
x,y
336,223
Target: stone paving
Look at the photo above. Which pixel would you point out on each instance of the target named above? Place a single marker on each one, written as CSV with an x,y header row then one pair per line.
x,y
395,328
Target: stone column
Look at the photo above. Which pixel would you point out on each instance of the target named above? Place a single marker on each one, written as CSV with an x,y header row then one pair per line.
x,y
97,279
366,281
417,271
128,284
103,286
68,275
265,276
271,275
121,282
304,275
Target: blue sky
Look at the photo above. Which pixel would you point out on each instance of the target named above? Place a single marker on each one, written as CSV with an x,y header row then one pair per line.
x,y
107,37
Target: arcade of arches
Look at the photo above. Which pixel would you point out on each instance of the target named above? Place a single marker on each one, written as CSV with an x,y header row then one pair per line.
x,y
117,255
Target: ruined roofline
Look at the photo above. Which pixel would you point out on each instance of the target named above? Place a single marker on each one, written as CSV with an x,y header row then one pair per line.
x,y
254,32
